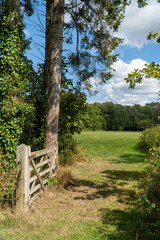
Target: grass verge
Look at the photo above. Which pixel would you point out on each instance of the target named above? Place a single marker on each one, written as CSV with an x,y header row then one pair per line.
x,y
98,202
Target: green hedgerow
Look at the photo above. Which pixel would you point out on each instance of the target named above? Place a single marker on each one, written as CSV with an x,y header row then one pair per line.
x,y
150,138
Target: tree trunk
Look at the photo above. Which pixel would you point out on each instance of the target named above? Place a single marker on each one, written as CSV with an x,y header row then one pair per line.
x,y
53,59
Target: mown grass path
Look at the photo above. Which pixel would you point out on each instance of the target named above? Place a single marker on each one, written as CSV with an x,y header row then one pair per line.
x,y
97,205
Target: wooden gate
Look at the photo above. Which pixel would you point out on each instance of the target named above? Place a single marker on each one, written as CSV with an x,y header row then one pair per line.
x,y
9,183
36,169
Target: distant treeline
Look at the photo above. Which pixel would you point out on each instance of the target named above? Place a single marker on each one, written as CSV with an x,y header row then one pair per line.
x,y
110,116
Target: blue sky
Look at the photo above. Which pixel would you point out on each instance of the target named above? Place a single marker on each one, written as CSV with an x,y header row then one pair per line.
x,y
134,52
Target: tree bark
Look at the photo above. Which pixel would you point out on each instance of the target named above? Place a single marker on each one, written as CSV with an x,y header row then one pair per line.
x,y
53,59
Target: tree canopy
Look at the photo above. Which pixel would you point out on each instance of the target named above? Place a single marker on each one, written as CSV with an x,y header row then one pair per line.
x,y
116,117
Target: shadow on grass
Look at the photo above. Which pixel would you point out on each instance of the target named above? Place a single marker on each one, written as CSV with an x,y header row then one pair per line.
x,y
117,185
119,225
139,148
115,175
138,157
129,224
130,158
112,187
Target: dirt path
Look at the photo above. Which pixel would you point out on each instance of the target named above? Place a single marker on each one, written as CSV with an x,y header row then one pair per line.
x,y
97,204
95,189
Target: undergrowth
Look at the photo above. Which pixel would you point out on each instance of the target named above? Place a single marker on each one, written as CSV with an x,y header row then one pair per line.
x,y
69,152
150,197
150,138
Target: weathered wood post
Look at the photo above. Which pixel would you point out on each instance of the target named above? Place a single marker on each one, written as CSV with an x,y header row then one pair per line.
x,y
23,153
54,163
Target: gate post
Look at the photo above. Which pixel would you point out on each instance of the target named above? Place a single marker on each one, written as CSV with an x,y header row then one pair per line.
x,y
23,153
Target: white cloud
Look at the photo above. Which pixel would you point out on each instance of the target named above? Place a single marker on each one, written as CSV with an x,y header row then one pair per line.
x,y
116,90
67,17
27,33
95,83
138,22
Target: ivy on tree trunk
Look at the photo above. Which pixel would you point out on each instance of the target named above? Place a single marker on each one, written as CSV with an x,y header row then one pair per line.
x,y
13,80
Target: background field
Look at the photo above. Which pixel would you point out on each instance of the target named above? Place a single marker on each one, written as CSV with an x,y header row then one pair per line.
x,y
98,202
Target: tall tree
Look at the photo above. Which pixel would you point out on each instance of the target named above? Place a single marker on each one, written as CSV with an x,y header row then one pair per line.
x,y
53,60
94,22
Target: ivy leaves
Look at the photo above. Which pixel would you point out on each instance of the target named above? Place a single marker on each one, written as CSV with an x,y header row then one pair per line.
x,y
14,67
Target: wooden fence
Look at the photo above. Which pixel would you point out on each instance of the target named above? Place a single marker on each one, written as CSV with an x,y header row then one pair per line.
x,y
35,168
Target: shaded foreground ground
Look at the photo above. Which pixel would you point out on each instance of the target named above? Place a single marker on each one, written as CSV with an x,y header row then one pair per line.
x,y
98,203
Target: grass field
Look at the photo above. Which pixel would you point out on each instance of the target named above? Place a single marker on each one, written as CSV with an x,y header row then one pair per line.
x,y
99,202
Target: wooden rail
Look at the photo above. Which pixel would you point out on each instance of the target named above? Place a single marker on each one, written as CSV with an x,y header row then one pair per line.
x,y
8,182
36,169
